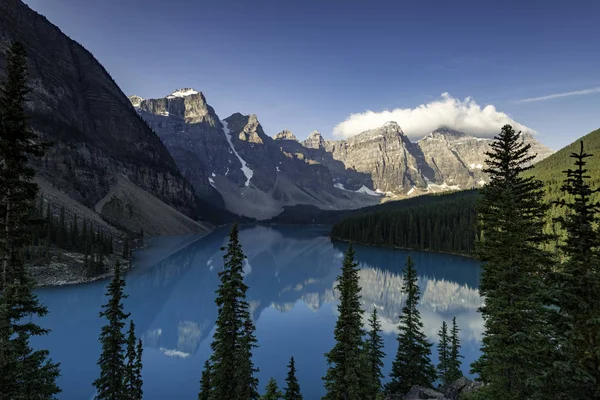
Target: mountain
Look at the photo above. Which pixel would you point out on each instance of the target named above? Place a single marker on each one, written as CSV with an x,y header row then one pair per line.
x,y
386,161
233,163
104,156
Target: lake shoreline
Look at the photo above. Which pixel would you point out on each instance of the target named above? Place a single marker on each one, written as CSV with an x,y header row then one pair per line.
x,y
469,256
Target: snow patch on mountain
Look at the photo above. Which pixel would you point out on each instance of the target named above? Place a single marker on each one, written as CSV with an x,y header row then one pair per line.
x,y
245,169
182,93
432,187
368,191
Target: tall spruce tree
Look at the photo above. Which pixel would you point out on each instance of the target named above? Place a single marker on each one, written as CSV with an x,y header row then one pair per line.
x,y
247,383
272,391
454,356
137,392
110,384
205,385
576,284
346,360
232,370
25,373
511,216
375,355
412,365
133,368
443,348
292,388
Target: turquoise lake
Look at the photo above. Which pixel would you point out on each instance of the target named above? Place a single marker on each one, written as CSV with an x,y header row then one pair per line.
x,y
291,272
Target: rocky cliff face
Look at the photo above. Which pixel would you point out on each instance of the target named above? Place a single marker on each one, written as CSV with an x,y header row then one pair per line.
x,y
236,164
255,175
97,134
385,160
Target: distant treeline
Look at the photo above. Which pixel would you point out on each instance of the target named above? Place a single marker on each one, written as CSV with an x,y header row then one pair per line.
x,y
443,223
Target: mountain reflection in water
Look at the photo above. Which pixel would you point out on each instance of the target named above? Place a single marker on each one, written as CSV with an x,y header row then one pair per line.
x,y
291,275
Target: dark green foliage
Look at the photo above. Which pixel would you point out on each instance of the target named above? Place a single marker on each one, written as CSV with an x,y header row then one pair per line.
x,y
137,393
110,384
347,365
454,362
24,373
53,230
247,383
375,355
575,289
205,382
511,214
412,365
272,391
132,383
550,169
292,388
232,370
443,348
446,224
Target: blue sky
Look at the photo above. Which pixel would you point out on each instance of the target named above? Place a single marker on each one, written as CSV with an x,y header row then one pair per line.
x,y
310,64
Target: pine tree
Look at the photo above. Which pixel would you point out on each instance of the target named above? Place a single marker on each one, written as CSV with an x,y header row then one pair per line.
x,y
444,354
231,364
347,367
511,216
272,391
137,392
132,383
576,284
109,386
412,365
247,383
375,354
292,388
25,373
454,356
205,382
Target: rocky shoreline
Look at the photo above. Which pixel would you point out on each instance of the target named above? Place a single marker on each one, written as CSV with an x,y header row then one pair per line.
x,y
66,268
455,391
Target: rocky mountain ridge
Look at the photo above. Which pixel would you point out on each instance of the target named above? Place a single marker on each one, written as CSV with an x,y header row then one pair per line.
x,y
98,139
237,165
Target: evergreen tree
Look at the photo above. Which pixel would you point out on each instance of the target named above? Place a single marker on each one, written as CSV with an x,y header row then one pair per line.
x,y
375,354
137,393
272,391
247,382
292,388
412,365
24,373
110,384
444,354
231,363
205,382
511,215
347,366
133,369
454,356
576,284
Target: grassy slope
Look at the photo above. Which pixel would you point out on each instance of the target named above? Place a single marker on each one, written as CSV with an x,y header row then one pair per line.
x,y
550,170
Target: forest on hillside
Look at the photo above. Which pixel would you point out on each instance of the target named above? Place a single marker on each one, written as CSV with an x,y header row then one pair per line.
x,y
442,223
447,222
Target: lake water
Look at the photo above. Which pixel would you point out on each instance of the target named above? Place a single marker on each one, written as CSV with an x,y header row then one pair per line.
x,y
291,273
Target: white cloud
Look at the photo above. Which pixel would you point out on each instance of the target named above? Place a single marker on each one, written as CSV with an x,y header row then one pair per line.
x,y
465,116
559,95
